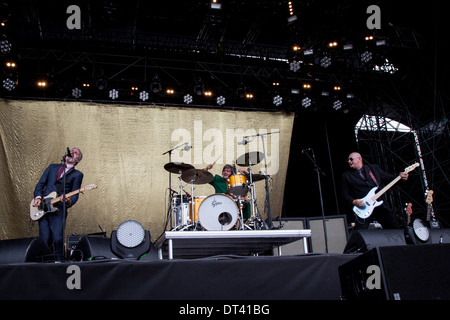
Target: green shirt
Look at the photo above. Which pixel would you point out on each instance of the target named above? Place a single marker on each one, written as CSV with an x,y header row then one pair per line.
x,y
220,184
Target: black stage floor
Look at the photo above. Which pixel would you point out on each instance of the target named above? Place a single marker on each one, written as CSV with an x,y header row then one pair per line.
x,y
261,278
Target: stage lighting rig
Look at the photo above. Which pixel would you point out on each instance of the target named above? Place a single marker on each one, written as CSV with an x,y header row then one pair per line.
x,y
76,93
143,95
113,94
187,99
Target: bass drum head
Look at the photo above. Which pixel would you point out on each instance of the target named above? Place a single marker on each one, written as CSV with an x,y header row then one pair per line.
x,y
218,212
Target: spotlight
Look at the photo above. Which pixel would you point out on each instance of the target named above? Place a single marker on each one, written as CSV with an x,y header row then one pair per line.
x,y
306,86
5,46
130,240
325,62
249,95
332,44
42,84
76,93
294,66
277,100
10,64
220,100
207,93
187,99
170,91
366,56
143,95
306,102
113,94
337,105
8,84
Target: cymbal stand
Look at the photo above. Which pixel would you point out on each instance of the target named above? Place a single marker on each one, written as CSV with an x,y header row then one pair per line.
x,y
170,215
259,223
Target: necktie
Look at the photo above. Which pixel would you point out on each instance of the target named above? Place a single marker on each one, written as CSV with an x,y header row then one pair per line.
x,y
60,173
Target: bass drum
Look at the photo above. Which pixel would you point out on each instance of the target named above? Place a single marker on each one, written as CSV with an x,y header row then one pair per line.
x,y
218,212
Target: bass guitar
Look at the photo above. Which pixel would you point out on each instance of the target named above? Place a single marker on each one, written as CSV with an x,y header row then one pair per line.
x,y
431,219
370,200
48,202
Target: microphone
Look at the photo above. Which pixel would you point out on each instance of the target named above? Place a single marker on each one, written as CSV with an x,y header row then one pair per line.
x,y
306,150
187,147
243,142
68,152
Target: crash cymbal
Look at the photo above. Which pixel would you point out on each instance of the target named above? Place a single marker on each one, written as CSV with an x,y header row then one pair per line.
x,y
250,158
176,167
197,176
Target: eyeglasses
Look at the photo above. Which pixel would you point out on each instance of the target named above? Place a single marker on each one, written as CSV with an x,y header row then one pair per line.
x,y
351,159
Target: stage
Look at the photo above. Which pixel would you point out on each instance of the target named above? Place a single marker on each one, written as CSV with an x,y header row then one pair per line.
x,y
299,277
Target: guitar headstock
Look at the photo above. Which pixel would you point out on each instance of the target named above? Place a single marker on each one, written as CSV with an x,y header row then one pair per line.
x,y
408,209
411,167
90,187
429,199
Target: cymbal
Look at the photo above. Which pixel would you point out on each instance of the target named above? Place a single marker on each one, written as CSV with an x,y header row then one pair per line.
x,y
250,158
196,176
176,167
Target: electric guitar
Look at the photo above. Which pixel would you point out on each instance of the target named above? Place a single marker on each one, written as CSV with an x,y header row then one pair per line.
x,y
48,202
408,211
370,200
430,214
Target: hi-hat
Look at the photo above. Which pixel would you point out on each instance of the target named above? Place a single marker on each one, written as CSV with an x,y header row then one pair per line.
x,y
197,176
250,158
176,167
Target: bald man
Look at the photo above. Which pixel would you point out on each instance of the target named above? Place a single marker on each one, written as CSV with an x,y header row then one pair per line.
x,y
356,184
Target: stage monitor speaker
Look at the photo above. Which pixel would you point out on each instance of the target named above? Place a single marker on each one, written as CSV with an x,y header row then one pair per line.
x,y
98,248
295,247
337,235
363,240
438,235
411,272
93,248
24,250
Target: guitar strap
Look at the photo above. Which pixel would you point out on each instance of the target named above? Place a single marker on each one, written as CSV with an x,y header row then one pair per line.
x,y
373,177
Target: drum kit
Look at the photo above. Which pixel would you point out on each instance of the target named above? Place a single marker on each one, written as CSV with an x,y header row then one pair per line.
x,y
220,211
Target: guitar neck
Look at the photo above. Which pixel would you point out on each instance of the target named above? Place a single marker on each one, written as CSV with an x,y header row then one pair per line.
x,y
386,188
68,195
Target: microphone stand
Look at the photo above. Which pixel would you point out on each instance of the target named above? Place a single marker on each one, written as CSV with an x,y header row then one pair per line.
x,y
63,160
319,172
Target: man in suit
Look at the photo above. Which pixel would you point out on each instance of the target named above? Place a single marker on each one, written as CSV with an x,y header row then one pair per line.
x,y
356,184
51,226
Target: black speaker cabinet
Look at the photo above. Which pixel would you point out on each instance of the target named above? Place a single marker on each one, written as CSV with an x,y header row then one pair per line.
x,y
295,247
336,231
363,240
93,248
24,250
99,247
410,272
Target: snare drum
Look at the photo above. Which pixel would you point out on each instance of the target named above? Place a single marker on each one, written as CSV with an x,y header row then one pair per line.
x,y
194,207
237,184
218,212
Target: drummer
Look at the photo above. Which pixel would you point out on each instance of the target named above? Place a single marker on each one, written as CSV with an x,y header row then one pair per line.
x,y
220,183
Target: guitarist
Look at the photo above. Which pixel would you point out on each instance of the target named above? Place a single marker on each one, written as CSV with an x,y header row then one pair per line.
x,y
51,226
356,184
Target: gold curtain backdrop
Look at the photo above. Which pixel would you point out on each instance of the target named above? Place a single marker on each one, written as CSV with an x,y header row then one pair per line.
x,y
123,148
